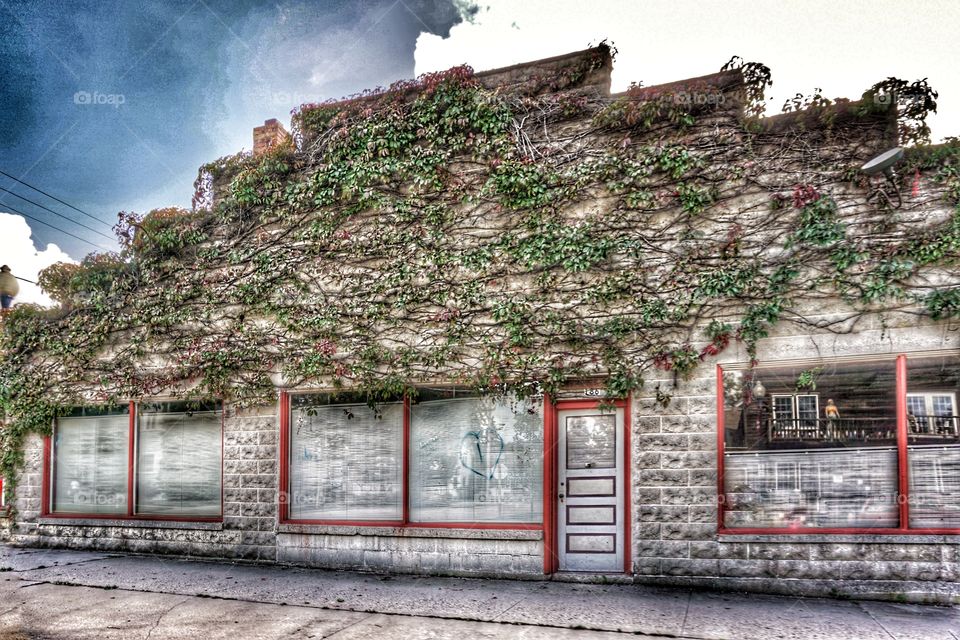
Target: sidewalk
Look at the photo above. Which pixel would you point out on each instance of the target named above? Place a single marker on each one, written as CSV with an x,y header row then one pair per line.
x,y
625,608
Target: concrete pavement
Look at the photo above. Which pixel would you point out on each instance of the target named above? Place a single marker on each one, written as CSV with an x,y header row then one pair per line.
x,y
73,594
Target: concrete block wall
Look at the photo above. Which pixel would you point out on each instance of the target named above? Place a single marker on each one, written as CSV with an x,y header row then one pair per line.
x,y
28,493
473,552
248,530
675,528
251,481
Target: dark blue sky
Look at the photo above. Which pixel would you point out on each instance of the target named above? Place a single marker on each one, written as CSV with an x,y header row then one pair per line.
x,y
113,105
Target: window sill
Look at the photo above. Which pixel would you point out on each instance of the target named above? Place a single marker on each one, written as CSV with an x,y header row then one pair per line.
x,y
842,538
411,531
133,523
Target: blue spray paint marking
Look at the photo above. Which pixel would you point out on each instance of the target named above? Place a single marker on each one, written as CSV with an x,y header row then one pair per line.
x,y
493,469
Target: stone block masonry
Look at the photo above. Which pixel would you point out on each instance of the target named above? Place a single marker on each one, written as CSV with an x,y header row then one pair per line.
x,y
675,497
248,529
463,552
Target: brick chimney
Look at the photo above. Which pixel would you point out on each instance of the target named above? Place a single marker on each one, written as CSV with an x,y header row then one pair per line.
x,y
268,136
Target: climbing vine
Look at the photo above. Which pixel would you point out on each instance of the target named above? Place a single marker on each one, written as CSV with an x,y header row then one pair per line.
x,y
439,231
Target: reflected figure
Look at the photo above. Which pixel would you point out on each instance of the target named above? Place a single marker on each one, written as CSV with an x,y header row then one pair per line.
x,y
833,417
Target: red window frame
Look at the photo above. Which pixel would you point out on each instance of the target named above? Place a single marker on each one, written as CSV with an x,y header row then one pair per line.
x,y
903,490
47,489
404,522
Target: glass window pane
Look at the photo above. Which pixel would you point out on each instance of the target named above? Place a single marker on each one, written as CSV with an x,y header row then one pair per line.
x,y
916,411
346,461
178,463
933,441
783,411
476,460
807,409
90,458
591,442
833,464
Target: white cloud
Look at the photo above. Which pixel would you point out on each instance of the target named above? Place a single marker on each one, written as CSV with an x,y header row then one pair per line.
x,y
24,259
843,48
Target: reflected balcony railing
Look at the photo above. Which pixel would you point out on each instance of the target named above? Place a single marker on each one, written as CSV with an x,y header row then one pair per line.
x,y
832,429
860,429
927,425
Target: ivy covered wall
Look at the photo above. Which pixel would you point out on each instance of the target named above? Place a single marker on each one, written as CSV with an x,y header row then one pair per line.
x,y
507,232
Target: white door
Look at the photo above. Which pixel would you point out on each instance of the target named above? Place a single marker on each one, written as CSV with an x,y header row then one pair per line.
x,y
590,490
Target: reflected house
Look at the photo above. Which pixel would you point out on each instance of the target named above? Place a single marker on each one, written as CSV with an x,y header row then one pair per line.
x,y
791,462
826,460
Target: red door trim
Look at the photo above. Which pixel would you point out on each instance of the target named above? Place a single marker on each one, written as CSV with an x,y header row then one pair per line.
x,y
549,485
627,493
551,478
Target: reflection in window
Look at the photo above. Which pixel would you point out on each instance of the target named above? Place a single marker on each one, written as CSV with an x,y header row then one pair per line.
x,y
933,437
591,442
90,462
346,460
475,460
795,416
178,460
811,446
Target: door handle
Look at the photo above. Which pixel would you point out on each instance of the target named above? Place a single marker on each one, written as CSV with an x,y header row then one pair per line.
x,y
561,497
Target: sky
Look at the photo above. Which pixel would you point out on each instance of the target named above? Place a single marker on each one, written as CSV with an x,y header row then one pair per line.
x,y
113,105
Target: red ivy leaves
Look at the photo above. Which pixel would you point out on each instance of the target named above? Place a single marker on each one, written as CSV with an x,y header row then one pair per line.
x,y
804,194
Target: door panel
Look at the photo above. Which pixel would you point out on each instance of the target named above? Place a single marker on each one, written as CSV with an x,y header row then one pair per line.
x,y
590,490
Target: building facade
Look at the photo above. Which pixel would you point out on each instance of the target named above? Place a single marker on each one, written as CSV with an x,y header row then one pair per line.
x,y
821,458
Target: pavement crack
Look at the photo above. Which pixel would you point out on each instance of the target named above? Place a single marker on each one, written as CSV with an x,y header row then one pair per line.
x,y
686,612
352,624
875,620
505,611
37,584
66,564
163,615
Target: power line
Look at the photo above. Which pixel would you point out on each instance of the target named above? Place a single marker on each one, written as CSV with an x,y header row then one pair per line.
x,y
55,198
63,231
37,204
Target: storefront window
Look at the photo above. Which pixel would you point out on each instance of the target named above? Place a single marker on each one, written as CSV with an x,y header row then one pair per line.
x,y
90,457
811,447
346,460
933,437
475,459
178,460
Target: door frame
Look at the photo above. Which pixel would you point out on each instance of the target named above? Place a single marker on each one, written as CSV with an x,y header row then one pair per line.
x,y
551,559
